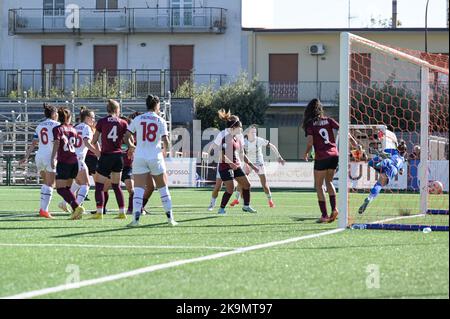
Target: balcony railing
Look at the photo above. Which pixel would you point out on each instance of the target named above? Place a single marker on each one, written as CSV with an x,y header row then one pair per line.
x,y
303,92
124,20
93,84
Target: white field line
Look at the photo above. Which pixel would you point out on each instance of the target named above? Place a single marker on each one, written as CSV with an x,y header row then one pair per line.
x,y
140,271
397,218
115,246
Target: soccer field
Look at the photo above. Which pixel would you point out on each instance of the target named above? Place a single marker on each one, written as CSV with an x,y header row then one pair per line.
x,y
205,256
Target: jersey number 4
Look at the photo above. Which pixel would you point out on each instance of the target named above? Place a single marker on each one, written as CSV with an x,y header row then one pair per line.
x,y
149,131
112,135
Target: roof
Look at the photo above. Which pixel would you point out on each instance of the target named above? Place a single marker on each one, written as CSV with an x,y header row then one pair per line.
x,y
331,30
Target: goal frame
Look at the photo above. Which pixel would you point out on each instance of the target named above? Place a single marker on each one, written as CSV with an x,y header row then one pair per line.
x,y
344,118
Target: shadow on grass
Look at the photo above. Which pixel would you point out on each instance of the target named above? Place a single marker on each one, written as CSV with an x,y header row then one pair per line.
x,y
127,228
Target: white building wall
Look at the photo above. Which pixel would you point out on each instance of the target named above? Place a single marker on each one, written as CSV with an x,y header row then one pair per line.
x,y
213,53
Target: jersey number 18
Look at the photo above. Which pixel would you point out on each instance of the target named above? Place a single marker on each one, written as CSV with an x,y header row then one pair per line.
x,y
149,131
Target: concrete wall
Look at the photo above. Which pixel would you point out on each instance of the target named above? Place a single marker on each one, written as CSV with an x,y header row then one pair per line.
x,y
263,44
213,53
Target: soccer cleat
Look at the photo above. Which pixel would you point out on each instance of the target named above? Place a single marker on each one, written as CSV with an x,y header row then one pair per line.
x,y
234,203
63,206
322,220
333,216
248,209
271,204
122,216
97,216
134,223
363,207
221,211
77,213
43,213
144,212
210,208
172,222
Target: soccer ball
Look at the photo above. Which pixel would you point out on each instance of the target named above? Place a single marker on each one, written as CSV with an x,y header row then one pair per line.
x,y
435,187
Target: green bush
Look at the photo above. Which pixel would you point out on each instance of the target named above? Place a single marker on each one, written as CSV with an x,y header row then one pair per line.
x,y
245,98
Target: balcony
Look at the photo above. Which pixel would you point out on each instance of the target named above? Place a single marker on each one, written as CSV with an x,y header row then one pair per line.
x,y
302,92
89,84
124,20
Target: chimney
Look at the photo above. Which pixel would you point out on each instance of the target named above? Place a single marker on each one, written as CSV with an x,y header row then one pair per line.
x,y
394,14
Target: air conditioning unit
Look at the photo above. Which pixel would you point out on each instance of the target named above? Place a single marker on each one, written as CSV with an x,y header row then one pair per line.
x,y
317,49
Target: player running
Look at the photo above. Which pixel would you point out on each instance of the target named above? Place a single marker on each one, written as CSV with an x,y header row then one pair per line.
x,y
112,129
232,148
319,131
82,145
150,129
388,164
253,149
43,137
63,152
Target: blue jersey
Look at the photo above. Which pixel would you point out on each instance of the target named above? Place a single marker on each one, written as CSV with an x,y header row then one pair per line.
x,y
390,165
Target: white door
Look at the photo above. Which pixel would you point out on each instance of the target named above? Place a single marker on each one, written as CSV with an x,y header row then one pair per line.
x,y
182,11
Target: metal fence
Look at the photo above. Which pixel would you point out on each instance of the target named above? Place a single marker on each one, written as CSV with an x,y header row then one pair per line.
x,y
88,83
121,20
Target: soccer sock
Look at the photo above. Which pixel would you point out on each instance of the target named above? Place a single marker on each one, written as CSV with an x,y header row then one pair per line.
x,y
213,201
74,188
82,193
145,202
166,201
333,202
68,196
246,195
119,197
138,198
130,202
106,194
46,196
323,208
269,196
225,198
99,197
237,194
375,191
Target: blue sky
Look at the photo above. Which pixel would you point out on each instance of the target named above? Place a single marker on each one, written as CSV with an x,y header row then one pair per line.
x,y
311,13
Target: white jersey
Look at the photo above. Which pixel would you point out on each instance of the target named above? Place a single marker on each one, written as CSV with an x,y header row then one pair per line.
x,y
254,150
83,131
44,133
149,128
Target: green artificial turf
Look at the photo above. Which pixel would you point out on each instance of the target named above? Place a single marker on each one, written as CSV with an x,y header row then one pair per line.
x,y
341,265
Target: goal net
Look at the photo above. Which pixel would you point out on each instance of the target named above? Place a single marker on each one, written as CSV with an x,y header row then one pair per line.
x,y
389,95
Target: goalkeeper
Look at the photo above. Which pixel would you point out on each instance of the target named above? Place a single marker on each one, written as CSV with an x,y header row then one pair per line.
x,y
389,164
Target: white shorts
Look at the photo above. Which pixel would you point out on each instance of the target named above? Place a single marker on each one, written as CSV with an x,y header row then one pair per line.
x,y
261,167
81,164
44,163
153,166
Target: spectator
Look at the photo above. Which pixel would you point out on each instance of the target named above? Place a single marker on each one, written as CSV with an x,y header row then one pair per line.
x,y
415,155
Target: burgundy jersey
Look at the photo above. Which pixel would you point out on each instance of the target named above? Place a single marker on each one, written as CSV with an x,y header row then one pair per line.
x,y
128,162
112,130
67,137
230,145
323,137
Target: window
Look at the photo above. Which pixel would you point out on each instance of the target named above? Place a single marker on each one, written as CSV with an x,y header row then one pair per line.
x,y
182,12
106,4
54,7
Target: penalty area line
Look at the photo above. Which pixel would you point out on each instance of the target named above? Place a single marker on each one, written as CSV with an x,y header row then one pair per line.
x,y
149,269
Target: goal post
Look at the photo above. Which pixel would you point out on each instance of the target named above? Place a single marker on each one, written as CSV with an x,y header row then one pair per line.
x,y
386,95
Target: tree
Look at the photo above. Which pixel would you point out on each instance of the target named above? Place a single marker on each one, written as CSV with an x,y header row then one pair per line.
x,y
245,98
